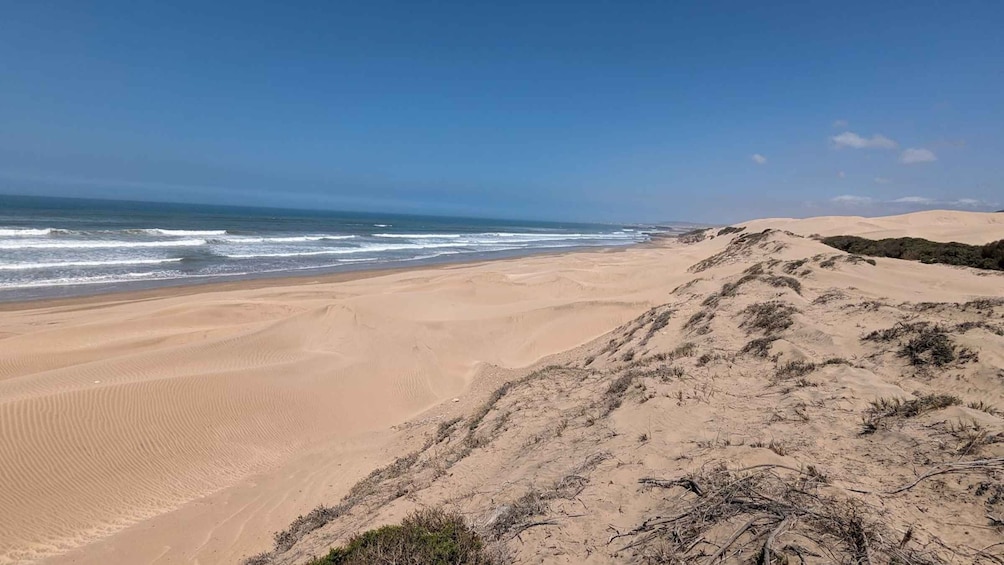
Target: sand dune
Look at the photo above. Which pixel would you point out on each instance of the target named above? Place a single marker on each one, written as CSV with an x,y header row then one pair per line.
x,y
702,430
187,427
937,225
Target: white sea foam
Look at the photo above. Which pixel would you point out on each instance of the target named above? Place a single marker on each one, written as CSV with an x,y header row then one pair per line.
x,y
530,236
97,244
96,279
67,264
282,239
340,251
24,232
182,233
420,235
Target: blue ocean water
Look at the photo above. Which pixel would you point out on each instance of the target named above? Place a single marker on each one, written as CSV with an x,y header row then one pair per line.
x,y
66,247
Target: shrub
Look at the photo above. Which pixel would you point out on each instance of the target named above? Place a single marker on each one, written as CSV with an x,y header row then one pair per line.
x,y
886,408
426,537
794,369
685,349
739,247
989,256
659,321
895,332
446,428
829,296
783,281
768,317
792,266
699,321
855,259
614,395
693,236
986,303
932,346
896,407
758,347
835,361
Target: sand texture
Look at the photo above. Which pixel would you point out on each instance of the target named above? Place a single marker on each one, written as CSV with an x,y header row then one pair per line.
x,y
181,428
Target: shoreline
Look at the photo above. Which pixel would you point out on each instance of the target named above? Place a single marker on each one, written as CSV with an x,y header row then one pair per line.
x,y
186,287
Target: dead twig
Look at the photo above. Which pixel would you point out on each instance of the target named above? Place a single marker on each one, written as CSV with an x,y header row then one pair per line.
x,y
945,469
686,482
765,554
526,527
732,539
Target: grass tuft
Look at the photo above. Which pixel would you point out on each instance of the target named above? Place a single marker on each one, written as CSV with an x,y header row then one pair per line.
x,y
885,409
758,347
768,317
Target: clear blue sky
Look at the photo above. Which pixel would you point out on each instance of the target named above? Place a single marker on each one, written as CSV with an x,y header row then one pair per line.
x,y
620,111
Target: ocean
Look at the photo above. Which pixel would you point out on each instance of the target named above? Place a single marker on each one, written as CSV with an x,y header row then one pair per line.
x,y
54,247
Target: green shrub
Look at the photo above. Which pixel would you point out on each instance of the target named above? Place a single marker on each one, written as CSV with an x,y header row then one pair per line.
x,y
989,256
931,346
426,537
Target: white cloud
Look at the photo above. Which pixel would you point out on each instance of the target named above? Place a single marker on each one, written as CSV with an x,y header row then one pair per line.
x,y
921,155
914,200
868,204
852,200
882,180
855,141
841,174
759,159
840,124
973,203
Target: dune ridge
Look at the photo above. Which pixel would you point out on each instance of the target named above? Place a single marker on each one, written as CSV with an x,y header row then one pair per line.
x,y
787,402
189,428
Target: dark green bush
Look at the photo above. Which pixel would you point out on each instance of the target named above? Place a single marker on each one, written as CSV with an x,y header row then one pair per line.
x,y
731,229
989,256
426,537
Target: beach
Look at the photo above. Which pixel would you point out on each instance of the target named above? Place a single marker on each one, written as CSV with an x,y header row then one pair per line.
x,y
188,424
65,247
116,411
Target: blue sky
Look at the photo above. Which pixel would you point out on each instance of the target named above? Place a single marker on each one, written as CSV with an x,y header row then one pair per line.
x,y
610,111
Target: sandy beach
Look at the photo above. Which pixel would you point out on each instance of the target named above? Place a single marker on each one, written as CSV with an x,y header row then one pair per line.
x,y
119,409
188,425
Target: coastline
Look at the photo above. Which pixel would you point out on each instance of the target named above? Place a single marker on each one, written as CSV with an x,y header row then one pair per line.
x,y
201,419
111,293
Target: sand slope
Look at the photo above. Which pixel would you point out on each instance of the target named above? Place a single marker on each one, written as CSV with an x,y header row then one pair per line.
x,y
679,433
937,225
112,414
187,428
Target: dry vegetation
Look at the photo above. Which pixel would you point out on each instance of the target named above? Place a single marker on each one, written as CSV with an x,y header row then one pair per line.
x,y
737,423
